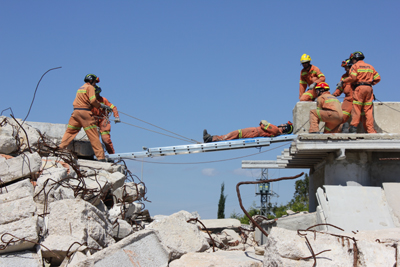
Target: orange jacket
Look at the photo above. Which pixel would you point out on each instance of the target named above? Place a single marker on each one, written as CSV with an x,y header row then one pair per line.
x,y
270,130
326,101
102,112
86,97
362,72
314,75
346,89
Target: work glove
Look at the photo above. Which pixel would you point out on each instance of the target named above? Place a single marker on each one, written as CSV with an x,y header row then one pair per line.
x,y
117,120
339,85
103,106
264,122
312,86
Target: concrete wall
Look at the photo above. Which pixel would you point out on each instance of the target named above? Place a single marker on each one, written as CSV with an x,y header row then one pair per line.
x,y
384,113
363,168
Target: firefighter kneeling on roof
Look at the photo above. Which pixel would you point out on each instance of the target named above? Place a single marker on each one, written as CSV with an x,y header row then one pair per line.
x,y
328,110
265,129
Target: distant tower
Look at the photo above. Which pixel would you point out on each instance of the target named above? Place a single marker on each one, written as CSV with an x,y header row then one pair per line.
x,y
264,192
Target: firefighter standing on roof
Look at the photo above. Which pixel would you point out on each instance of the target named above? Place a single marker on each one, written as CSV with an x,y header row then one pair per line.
x,y
82,116
265,129
328,110
347,90
310,75
101,116
363,76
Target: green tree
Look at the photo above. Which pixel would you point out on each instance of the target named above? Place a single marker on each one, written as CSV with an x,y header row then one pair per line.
x,y
221,203
243,218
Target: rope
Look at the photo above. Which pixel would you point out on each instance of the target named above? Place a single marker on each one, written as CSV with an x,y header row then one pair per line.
x,y
386,105
185,138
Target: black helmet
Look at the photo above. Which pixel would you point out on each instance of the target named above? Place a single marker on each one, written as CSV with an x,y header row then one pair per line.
x,y
358,55
287,128
97,89
91,77
347,63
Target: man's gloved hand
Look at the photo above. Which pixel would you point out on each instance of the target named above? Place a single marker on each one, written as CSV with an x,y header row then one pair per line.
x,y
312,86
339,85
117,120
264,122
103,106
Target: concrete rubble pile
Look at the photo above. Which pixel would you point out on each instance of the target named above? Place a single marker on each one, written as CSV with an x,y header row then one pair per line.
x,y
57,210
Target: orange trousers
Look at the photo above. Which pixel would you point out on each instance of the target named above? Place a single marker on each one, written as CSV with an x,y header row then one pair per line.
x,y
105,133
309,95
244,133
79,119
332,120
362,102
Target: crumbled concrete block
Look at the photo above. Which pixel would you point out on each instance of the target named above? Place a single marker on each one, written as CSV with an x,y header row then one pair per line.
x,y
97,185
25,183
231,235
22,258
75,220
217,225
109,167
121,229
19,167
73,259
117,180
14,208
139,249
124,211
23,228
47,184
8,144
129,192
179,236
219,258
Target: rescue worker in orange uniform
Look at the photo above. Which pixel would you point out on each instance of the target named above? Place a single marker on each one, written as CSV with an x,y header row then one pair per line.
x,y
82,116
102,121
328,110
310,75
347,104
265,129
362,76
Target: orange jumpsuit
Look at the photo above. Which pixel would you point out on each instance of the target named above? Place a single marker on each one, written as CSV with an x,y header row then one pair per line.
x,y
329,111
314,75
104,124
82,116
347,104
268,130
363,76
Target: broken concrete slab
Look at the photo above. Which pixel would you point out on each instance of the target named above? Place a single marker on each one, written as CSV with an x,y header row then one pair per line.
x,y
121,229
393,198
288,248
129,192
139,249
24,228
124,211
48,182
93,164
23,184
217,225
366,208
24,258
75,220
179,236
22,166
219,258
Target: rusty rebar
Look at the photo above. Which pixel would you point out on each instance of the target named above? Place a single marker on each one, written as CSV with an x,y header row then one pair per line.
x,y
205,229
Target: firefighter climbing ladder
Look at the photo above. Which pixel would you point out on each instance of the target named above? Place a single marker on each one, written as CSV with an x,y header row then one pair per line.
x,y
205,147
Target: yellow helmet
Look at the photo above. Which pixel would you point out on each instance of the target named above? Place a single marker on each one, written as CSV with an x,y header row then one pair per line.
x,y
305,58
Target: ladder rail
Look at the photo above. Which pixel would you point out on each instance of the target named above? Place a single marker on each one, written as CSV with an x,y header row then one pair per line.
x,y
205,147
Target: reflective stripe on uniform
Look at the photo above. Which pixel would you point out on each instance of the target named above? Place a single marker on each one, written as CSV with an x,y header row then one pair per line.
x,y
304,73
312,97
367,103
321,75
105,132
266,127
319,115
331,100
112,106
353,73
82,91
362,70
326,128
90,127
346,113
357,103
240,133
376,76
302,82
73,127
92,97
313,72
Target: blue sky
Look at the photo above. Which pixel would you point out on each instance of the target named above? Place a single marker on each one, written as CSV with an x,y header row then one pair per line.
x,y
186,66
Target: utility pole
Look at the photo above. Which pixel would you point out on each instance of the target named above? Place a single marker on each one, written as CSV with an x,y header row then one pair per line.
x,y
264,192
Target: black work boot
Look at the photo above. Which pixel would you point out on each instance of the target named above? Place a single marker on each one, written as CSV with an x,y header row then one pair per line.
x,y
345,127
207,138
352,129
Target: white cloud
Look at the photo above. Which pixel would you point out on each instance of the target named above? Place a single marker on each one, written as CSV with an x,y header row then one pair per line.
x,y
209,172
